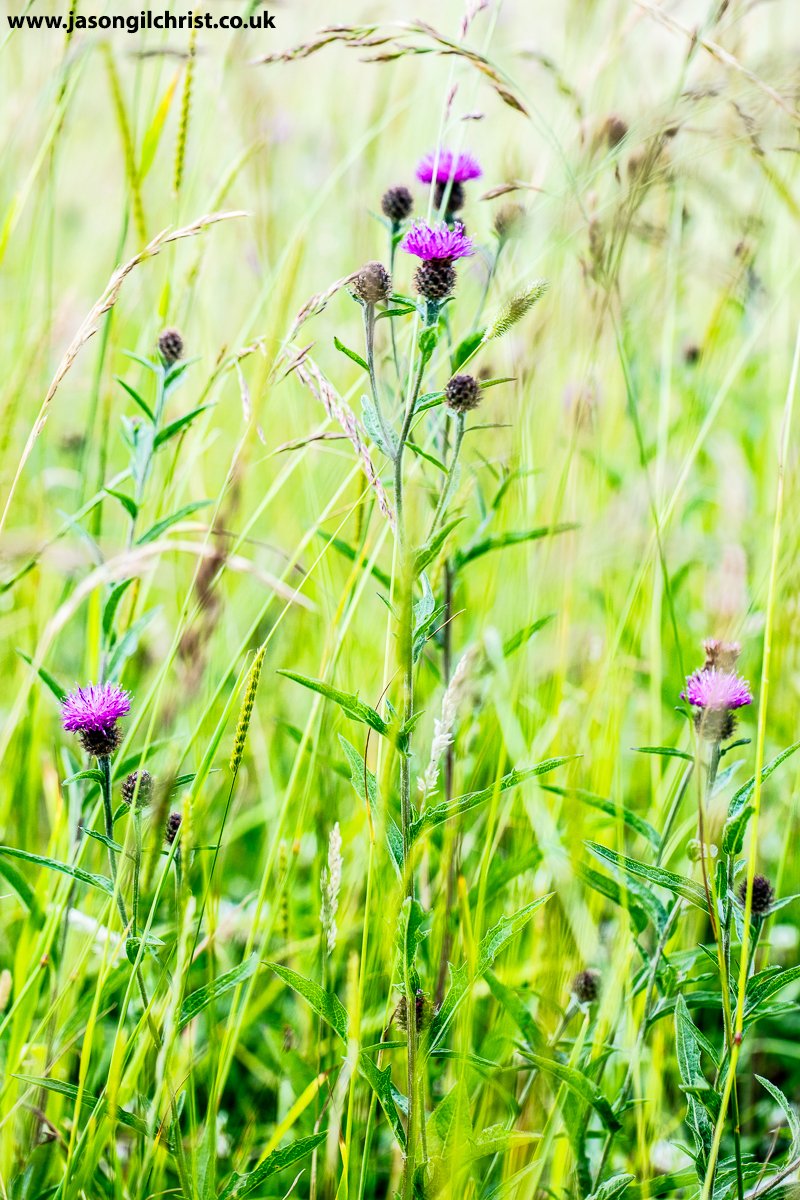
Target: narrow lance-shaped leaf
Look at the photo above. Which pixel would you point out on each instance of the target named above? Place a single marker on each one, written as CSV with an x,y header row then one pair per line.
x,y
325,1004
583,1087
194,1004
278,1160
350,704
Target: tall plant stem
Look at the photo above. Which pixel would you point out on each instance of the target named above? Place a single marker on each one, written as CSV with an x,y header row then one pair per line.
x,y
406,640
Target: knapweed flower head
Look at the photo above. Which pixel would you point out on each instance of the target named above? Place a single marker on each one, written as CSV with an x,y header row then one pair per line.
x,y
437,242
93,713
586,986
170,346
717,690
446,166
716,694
762,897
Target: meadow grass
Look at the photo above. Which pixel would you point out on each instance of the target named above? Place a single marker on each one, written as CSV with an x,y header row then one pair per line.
x,y
460,897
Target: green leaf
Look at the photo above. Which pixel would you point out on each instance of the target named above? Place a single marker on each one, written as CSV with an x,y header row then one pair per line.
x,y
498,541
155,531
665,752
464,804
524,635
169,431
465,349
143,362
349,703
24,890
428,552
325,1004
127,644
137,399
93,774
428,341
381,1084
612,1187
640,904
410,936
112,604
583,1087
194,1004
618,811
99,1103
49,680
789,1112
340,346
676,884
99,881
127,502
740,809
366,788
766,984
396,312
490,946
687,1051
517,1010
278,1160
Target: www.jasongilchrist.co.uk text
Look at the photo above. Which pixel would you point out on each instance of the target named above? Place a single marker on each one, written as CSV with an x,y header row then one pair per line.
x,y
146,19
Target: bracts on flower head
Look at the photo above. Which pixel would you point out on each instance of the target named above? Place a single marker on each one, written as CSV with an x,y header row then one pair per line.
x,y
462,393
762,897
170,346
138,786
373,284
93,712
172,827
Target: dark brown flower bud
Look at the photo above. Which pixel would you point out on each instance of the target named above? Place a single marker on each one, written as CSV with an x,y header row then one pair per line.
x,y
586,986
173,825
170,346
423,1012
462,393
614,129
138,786
763,895
397,204
373,283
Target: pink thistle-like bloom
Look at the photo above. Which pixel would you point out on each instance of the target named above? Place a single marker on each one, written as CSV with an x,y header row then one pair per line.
x,y
96,707
437,242
446,166
93,713
716,690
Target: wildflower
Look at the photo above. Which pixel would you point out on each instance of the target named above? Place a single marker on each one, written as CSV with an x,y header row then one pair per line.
x,y
423,1011
716,694
397,203
586,986
762,897
170,346
173,825
93,713
445,166
373,283
462,393
138,786
331,883
437,246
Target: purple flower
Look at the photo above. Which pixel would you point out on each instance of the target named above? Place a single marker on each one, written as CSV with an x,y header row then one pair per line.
x,y
719,691
446,166
439,242
95,708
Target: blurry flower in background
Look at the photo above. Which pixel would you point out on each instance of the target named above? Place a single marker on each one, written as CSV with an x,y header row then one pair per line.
x,y
449,173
